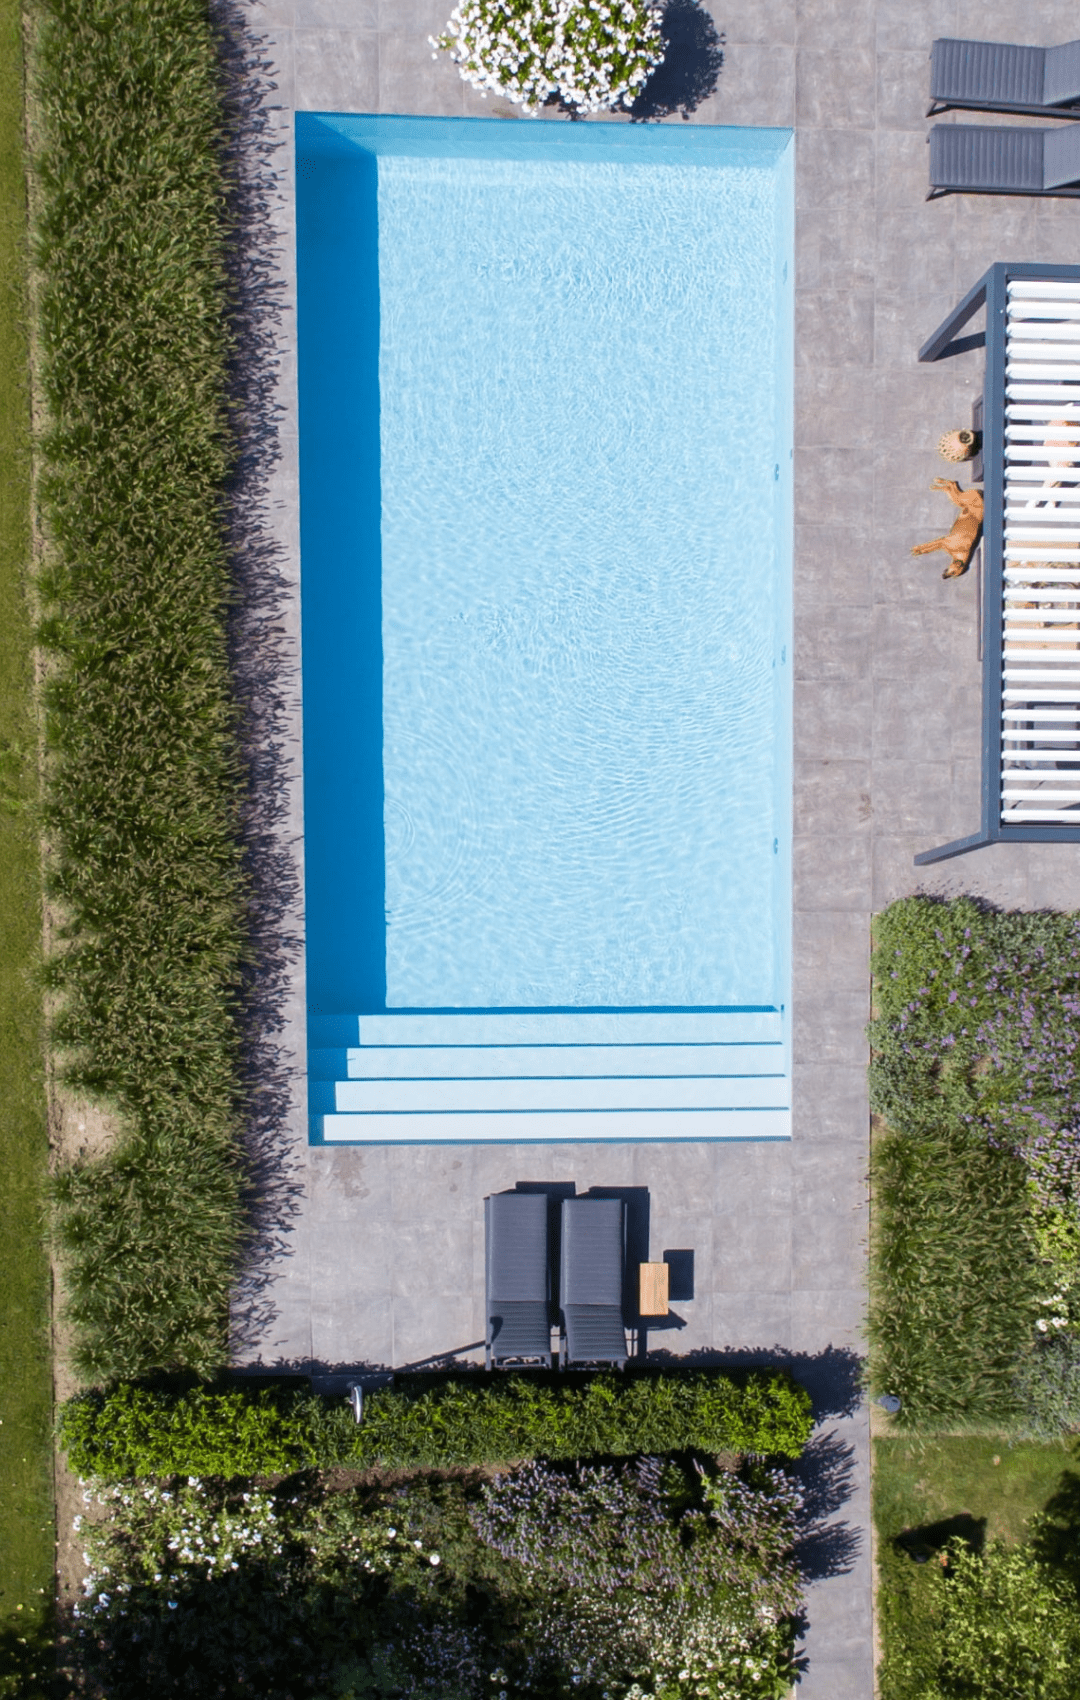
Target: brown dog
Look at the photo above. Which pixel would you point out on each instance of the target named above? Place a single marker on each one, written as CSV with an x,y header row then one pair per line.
x,y
959,543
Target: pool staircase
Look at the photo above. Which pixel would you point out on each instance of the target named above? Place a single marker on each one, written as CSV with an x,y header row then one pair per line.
x,y
420,1077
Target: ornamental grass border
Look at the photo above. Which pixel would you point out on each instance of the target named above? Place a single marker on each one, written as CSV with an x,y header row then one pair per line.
x,y
146,468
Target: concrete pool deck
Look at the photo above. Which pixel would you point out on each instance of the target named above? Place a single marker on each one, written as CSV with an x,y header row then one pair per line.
x,y
384,1261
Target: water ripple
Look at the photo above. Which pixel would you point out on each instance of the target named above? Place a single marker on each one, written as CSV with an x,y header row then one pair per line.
x,y
583,596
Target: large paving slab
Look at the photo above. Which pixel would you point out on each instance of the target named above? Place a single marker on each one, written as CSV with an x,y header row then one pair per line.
x,y
382,1262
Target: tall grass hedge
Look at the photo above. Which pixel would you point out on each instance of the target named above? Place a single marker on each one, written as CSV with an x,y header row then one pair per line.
x,y
244,1430
954,1284
144,776
975,1074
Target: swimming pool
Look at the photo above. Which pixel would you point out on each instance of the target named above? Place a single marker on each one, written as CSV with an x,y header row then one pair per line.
x,y
545,450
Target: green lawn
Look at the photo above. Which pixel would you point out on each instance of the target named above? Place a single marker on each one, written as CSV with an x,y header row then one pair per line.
x,y
26,1511
926,1492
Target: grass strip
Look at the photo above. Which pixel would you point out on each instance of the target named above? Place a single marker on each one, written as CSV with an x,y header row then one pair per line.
x,y
26,1509
144,780
926,1493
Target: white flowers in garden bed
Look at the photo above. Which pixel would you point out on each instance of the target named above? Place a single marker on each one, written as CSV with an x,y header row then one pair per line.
x,y
590,54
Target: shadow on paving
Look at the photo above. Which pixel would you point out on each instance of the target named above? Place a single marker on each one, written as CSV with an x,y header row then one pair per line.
x,y
833,1377
691,67
263,680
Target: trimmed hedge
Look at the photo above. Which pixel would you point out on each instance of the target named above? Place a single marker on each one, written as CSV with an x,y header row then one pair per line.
x,y
244,1431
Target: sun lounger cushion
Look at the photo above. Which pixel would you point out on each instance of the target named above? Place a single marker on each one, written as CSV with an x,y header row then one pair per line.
x,y
592,1252
1004,159
1061,78
994,73
517,1277
591,1280
594,1334
1061,156
517,1246
519,1330
986,156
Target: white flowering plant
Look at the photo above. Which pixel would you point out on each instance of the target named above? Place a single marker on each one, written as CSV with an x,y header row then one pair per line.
x,y
152,1535
590,55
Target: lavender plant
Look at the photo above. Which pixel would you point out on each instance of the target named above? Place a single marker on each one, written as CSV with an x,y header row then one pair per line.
x,y
685,1589
976,1016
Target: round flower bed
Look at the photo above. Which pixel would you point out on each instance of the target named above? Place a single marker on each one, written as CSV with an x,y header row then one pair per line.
x,y
589,56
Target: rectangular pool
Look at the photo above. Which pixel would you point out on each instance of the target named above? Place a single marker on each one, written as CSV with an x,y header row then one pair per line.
x,y
545,454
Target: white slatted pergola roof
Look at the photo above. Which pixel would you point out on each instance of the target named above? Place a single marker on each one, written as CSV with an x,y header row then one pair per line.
x,y
1031,543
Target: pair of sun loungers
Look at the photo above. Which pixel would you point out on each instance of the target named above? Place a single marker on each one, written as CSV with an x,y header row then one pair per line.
x,y
993,76
519,1280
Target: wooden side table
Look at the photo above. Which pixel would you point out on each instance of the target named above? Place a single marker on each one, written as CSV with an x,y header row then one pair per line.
x,y
652,1289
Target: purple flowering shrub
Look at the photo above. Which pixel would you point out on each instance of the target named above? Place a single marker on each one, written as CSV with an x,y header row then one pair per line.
x,y
673,1581
976,1013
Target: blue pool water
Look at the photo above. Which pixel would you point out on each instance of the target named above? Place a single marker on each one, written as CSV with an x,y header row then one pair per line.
x,y
545,421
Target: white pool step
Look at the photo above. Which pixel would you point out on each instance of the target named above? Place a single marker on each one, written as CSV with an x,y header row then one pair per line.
x,y
551,1075
550,1126
570,1027
597,1092
531,1062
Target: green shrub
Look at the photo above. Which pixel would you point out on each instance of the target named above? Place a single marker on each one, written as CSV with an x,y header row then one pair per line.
x,y
135,1431
144,783
930,1494
995,1625
1009,1628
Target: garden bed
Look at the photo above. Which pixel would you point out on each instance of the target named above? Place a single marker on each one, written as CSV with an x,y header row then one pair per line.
x,y
646,1577
257,1539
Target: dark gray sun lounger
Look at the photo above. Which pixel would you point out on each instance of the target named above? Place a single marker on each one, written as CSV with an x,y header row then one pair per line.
x,y
591,1281
995,159
995,76
517,1279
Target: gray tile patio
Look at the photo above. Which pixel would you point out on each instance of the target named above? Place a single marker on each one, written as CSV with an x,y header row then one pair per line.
x,y
384,1261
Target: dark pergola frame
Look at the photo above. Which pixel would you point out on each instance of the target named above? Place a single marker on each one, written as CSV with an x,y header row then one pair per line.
x,y
991,292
